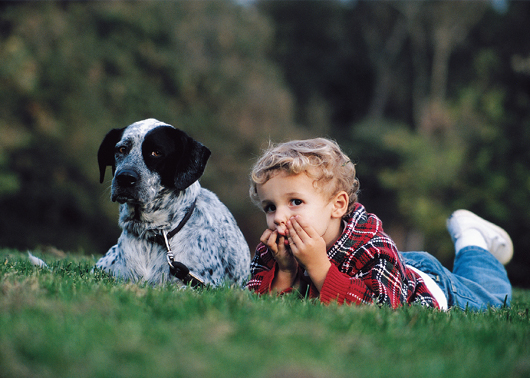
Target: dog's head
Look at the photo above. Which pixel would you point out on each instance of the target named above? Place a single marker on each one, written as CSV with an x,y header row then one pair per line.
x,y
149,156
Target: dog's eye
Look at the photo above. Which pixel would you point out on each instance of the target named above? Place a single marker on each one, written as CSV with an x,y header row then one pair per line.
x,y
156,153
121,150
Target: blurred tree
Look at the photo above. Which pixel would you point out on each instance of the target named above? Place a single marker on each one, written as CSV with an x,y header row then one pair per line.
x,y
72,71
400,38
435,112
491,99
429,98
325,63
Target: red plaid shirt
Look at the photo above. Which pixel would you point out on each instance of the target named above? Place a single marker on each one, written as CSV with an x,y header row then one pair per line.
x,y
366,268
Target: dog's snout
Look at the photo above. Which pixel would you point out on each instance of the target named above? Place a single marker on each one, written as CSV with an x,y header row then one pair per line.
x,y
127,178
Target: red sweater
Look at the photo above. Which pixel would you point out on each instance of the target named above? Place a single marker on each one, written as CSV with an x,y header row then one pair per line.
x,y
365,268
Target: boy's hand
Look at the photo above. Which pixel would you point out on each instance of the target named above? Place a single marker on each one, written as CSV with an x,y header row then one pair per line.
x,y
309,248
287,264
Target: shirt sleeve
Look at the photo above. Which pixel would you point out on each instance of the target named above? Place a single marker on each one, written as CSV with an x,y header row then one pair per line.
x,y
342,288
382,284
262,270
261,281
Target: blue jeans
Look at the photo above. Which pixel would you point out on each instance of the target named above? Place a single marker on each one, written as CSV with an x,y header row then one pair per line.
x,y
478,279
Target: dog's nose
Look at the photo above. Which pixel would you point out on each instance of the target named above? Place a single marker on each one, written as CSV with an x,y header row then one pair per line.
x,y
127,178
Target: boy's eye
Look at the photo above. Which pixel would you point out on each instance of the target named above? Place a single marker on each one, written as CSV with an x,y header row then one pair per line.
x,y
269,208
296,202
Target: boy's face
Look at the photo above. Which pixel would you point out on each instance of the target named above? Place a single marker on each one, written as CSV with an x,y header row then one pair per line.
x,y
285,196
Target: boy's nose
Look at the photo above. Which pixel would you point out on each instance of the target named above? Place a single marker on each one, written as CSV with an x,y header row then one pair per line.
x,y
281,216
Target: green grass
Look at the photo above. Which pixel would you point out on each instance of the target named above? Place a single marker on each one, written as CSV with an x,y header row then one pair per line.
x,y
69,322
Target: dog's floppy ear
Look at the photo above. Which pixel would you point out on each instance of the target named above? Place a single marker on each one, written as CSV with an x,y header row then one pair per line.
x,y
106,151
192,162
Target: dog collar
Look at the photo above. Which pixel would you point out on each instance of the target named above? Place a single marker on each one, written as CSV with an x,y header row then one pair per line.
x,y
176,268
182,223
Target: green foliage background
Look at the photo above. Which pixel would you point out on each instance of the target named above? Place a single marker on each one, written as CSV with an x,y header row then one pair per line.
x,y
430,99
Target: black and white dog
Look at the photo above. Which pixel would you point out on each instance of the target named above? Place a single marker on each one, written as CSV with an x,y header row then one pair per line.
x,y
169,221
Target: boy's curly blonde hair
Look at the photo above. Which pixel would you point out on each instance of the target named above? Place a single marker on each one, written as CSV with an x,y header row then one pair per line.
x,y
320,158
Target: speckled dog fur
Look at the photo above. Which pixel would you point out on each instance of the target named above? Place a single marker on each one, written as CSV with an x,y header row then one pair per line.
x,y
166,164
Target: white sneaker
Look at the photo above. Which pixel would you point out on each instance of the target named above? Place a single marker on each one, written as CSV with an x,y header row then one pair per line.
x,y
498,241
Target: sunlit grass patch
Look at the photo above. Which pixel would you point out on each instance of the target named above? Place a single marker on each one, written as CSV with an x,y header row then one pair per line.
x,y
69,321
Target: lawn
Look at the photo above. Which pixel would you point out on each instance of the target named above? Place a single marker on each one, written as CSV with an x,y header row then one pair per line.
x,y
70,322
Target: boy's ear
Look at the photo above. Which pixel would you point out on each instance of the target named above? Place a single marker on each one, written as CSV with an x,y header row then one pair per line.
x,y
340,204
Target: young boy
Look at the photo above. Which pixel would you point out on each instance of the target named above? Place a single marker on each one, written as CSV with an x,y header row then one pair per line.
x,y
322,242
